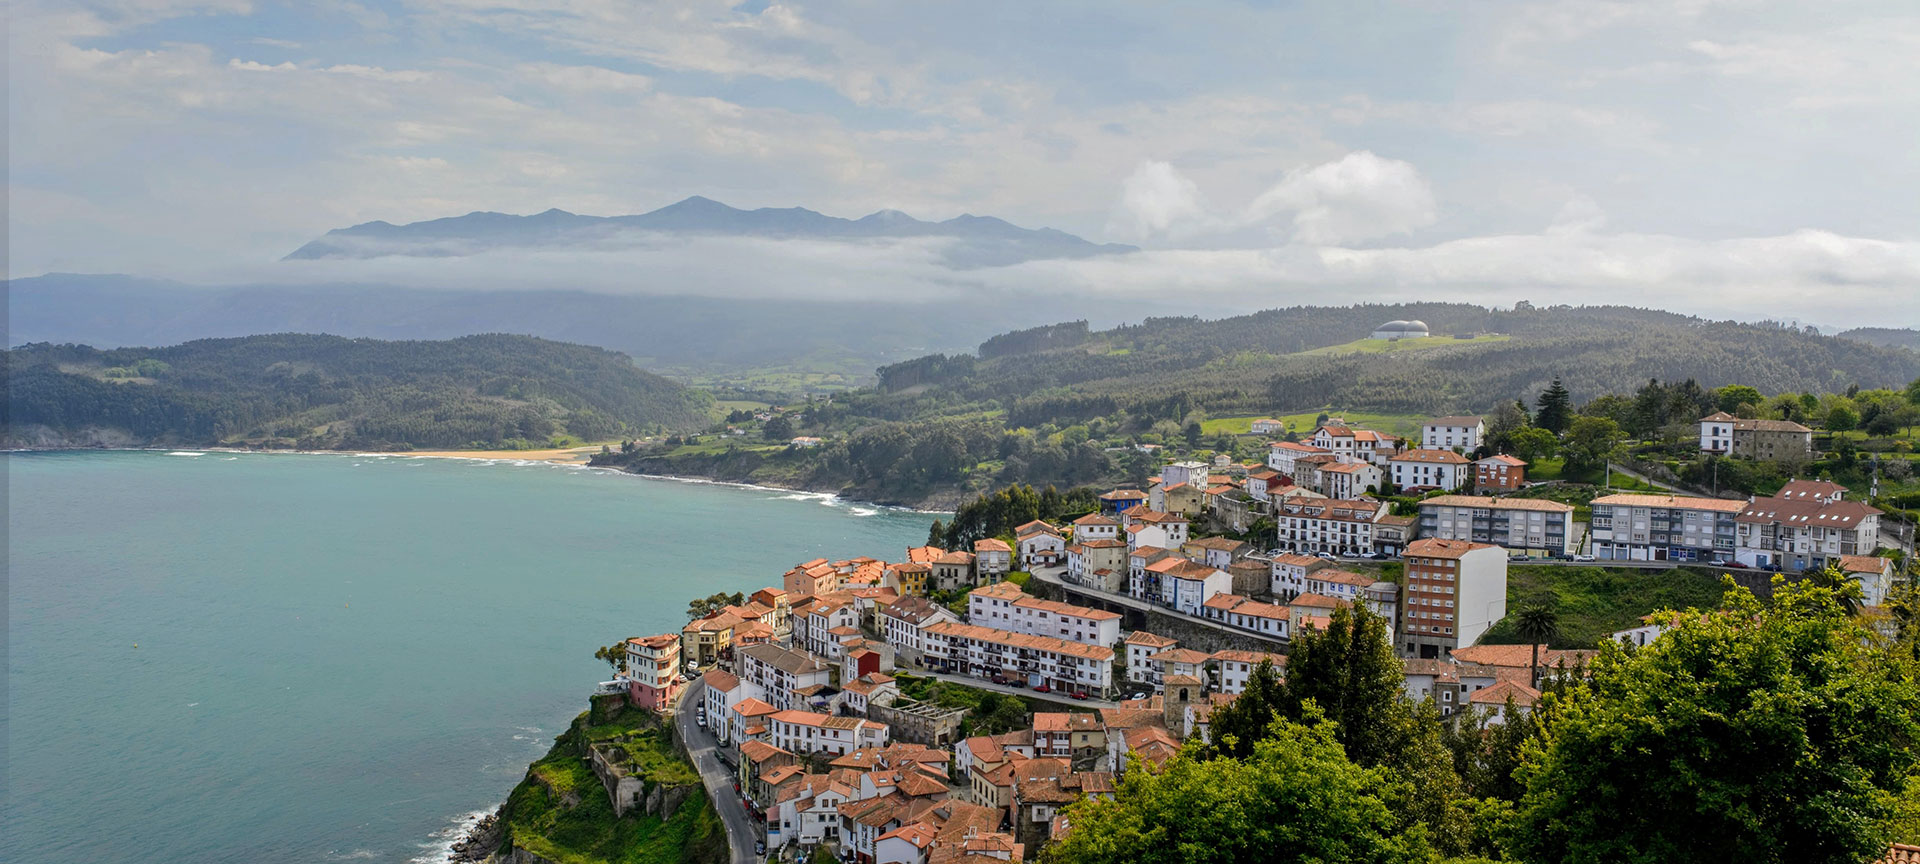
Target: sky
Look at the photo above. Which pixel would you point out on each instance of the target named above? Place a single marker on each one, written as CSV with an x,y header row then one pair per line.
x,y
1724,158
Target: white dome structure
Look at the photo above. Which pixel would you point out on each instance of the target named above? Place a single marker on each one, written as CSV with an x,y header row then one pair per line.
x,y
1401,330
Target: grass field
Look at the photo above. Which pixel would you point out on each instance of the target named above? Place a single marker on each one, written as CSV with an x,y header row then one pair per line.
x,y
1595,602
1393,346
1404,425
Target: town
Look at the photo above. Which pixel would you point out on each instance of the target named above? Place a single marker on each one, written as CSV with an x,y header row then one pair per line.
x,y
1121,631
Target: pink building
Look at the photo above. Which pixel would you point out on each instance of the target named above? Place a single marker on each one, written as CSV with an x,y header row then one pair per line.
x,y
653,670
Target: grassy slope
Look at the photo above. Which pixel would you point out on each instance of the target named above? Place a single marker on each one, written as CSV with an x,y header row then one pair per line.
x,y
1594,602
588,832
1394,346
1404,425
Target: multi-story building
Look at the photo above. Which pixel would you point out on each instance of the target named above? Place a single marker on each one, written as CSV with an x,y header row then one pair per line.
x,y
1363,445
1430,469
908,579
953,571
1193,474
807,732
1350,479
1142,645
1290,572
1447,433
1154,528
721,691
1806,525
1499,473
653,670
1772,440
1281,455
812,577
1262,483
1006,607
1040,545
815,620
986,652
992,559
1664,528
1336,526
1392,533
705,640
1455,590
1095,526
903,622
1178,583
771,674
1230,669
1528,525
1246,613
1098,564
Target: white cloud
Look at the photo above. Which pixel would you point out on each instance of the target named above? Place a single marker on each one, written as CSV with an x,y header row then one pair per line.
x,y
1157,200
1359,197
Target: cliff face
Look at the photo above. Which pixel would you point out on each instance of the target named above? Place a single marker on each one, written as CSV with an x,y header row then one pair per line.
x,y
613,789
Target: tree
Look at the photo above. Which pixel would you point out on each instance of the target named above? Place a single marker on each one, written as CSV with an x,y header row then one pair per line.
x,y
1537,623
1842,418
701,607
1732,396
1350,672
778,428
1533,444
1236,726
1509,418
1592,440
1845,590
936,534
1296,798
614,655
1556,408
1756,732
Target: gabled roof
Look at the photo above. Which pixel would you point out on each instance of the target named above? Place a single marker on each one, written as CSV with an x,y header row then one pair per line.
x,y
1720,505
1522,695
1504,459
991,544
1142,637
1430,457
1454,421
1433,547
1491,503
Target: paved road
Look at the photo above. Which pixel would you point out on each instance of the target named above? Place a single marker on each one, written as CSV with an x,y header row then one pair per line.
x,y
742,831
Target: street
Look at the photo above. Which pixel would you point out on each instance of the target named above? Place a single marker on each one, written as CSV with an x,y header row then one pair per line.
x,y
983,684
704,750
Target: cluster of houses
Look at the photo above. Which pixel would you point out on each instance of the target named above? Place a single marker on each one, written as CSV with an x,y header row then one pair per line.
x,y
801,683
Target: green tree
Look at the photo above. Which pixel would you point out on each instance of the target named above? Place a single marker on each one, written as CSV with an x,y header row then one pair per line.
x,y
1592,440
1757,732
1533,444
1236,726
1732,396
1350,672
778,428
936,534
1845,590
615,656
1538,623
1842,418
1295,798
1556,408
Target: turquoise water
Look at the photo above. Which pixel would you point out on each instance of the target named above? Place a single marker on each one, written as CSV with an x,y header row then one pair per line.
x,y
290,658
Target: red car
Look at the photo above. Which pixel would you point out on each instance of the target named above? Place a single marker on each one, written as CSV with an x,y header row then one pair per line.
x,y
1043,689
1080,696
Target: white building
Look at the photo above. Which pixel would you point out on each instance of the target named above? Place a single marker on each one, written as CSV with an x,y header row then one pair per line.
x,y
1232,668
1455,590
1519,524
1178,583
722,691
1039,545
1350,480
904,622
1664,528
1330,525
1447,433
1004,606
1281,455
1805,526
1094,526
992,559
807,732
1154,528
1142,645
771,673
1363,445
1267,426
1191,473
1290,570
1716,433
986,652
1431,469
1246,613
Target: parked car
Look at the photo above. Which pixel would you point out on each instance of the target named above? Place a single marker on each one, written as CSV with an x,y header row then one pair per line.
x,y
1043,689
1582,559
759,847
1080,696
701,721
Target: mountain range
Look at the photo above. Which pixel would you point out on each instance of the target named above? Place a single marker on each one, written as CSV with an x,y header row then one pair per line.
x,y
972,241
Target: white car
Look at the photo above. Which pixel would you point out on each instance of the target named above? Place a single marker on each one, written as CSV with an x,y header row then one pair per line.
x,y
1583,559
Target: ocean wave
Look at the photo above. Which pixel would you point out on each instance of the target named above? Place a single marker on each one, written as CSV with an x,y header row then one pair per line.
x,y
863,511
185,453
439,846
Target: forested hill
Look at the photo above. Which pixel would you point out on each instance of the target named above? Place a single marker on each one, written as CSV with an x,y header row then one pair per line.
x,y
323,392
1306,357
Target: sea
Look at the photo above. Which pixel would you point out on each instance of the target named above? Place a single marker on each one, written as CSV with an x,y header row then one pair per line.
x,y
222,657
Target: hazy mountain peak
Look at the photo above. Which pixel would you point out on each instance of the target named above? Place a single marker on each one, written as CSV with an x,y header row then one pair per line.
x,y
974,241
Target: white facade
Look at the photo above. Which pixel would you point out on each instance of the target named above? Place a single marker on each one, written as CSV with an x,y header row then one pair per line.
x,y
1446,433
984,652
1716,434
1664,528
1281,455
807,732
1431,469
1018,612
1350,479
771,673
1041,549
1519,524
1341,527
1191,473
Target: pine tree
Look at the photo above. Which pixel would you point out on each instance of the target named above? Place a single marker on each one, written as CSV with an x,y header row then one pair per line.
x,y
1556,408
937,534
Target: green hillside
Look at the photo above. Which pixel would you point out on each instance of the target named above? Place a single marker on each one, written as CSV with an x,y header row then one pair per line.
x,y
325,392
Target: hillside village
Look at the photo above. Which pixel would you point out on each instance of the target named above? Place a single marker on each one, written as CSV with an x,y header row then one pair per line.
x,y
1125,628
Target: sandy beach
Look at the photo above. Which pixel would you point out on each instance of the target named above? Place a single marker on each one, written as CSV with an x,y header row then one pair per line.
x,y
567,456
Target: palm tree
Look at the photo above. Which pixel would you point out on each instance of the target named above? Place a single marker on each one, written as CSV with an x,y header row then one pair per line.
x,y
1537,622
1844,588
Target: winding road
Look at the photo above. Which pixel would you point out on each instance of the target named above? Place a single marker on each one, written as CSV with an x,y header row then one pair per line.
x,y
704,750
